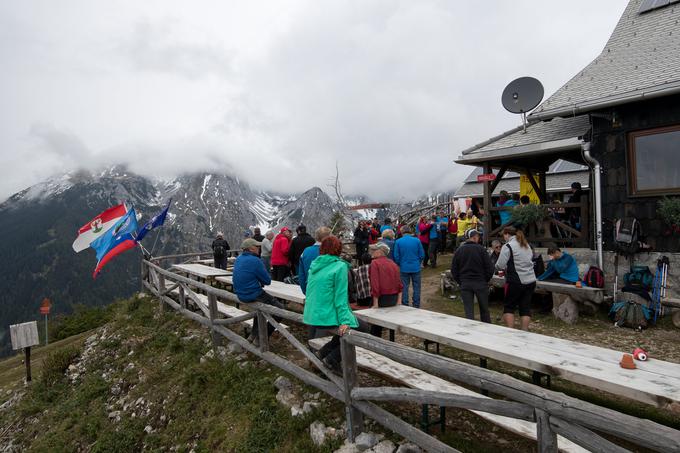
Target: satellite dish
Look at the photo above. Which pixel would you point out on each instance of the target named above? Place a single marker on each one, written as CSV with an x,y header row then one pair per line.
x,y
521,96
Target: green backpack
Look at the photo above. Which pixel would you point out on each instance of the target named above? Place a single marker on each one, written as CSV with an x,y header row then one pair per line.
x,y
639,277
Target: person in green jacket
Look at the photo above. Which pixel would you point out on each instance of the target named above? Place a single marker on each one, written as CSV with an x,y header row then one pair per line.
x,y
327,304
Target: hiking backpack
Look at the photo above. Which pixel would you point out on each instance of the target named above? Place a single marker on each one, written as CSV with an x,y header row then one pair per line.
x,y
219,251
594,277
627,236
639,277
627,313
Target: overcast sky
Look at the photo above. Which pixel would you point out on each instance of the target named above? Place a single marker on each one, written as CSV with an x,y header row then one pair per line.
x,y
276,92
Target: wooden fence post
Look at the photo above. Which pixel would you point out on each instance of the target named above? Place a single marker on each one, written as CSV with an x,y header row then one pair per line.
x,y
212,310
355,419
547,438
182,297
262,332
161,288
143,272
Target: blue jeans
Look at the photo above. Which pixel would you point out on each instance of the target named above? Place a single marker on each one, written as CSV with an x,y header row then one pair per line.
x,y
406,279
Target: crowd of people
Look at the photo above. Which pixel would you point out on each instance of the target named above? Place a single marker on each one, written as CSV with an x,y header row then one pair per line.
x,y
385,271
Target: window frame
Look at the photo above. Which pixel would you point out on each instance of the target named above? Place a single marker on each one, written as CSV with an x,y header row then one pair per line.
x,y
632,162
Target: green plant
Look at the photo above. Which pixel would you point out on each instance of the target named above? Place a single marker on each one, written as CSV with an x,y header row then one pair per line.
x,y
529,214
55,364
668,210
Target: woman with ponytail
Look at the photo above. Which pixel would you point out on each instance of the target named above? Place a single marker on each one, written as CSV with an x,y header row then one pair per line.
x,y
516,260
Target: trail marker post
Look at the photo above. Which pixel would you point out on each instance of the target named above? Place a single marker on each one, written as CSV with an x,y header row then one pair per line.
x,y
23,337
45,310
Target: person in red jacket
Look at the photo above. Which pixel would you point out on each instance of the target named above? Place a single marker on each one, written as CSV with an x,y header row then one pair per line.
x,y
386,285
280,251
424,235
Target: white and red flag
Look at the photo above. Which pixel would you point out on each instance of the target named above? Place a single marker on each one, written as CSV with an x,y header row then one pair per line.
x,y
98,226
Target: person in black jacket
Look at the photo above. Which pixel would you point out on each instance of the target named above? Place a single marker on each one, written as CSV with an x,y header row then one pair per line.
x,y
361,239
471,268
298,245
220,247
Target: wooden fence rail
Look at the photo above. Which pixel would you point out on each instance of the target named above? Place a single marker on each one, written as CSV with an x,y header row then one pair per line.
x,y
554,413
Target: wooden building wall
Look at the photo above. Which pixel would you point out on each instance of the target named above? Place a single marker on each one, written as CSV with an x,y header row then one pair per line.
x,y
610,147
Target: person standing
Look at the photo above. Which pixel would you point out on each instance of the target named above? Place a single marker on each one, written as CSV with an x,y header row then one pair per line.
x,y
442,227
408,254
280,253
386,286
266,250
249,278
520,279
298,245
361,239
220,247
424,236
471,268
433,246
362,281
387,225
388,240
327,304
309,255
257,235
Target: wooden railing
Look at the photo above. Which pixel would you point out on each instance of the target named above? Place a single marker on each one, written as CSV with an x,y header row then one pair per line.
x,y
554,413
550,229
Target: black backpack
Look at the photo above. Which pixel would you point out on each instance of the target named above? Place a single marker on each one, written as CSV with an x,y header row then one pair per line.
x,y
627,236
594,277
219,251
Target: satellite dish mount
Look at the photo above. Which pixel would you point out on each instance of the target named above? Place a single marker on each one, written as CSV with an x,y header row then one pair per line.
x,y
521,96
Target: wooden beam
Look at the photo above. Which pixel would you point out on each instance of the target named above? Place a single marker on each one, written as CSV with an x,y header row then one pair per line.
x,y
547,438
476,403
533,183
488,218
584,437
499,176
355,420
214,314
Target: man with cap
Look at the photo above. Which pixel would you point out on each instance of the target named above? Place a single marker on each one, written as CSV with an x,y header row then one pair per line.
x,y
250,276
471,268
219,248
298,245
280,255
386,286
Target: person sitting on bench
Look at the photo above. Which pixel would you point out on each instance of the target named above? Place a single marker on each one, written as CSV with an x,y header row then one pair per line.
x,y
562,267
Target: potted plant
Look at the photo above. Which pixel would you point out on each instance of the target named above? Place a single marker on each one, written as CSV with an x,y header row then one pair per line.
x,y
668,209
527,215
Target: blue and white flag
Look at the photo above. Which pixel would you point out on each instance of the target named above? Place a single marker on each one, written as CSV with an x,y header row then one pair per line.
x,y
155,222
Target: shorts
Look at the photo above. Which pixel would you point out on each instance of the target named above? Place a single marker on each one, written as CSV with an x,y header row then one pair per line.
x,y
518,295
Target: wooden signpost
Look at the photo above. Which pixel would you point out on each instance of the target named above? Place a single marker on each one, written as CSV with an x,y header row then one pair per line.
x,y
45,310
24,336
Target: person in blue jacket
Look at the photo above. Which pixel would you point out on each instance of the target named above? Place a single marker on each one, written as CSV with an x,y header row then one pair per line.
x,y
250,276
562,268
310,254
409,255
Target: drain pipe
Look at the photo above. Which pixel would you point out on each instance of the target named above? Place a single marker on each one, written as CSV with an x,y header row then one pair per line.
x,y
595,165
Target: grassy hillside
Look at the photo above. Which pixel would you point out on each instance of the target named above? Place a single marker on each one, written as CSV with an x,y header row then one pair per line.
x,y
143,382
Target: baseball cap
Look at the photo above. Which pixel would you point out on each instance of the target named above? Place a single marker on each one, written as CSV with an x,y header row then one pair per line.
x,y
380,246
472,232
250,242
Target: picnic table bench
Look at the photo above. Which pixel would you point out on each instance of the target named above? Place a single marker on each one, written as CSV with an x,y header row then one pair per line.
x,y
415,378
654,382
280,290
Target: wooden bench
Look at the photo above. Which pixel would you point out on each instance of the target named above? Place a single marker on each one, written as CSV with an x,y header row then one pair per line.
x,y
415,378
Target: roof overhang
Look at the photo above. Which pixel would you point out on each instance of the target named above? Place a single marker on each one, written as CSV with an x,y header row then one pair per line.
x,y
518,152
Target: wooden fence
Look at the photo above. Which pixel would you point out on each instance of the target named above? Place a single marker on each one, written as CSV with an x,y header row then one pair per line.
x,y
554,413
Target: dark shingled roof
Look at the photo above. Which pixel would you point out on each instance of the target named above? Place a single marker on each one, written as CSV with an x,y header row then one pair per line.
x,y
642,55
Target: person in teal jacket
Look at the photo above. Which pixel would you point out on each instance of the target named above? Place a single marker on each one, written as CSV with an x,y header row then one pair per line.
x,y
562,268
327,303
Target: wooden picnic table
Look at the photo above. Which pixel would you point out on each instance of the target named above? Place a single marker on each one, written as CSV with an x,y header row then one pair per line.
x,y
211,261
200,270
280,290
654,382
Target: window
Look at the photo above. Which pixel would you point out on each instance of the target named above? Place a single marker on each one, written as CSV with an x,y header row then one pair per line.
x,y
654,161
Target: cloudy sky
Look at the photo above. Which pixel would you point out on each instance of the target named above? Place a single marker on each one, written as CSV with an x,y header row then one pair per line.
x,y
276,92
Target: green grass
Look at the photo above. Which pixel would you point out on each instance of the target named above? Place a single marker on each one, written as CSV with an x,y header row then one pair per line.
x,y
210,406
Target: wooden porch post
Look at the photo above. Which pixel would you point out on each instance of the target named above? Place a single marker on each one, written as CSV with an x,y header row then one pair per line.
x,y
488,218
543,194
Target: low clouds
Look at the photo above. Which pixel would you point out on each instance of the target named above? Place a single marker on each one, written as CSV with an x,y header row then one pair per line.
x,y
391,90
